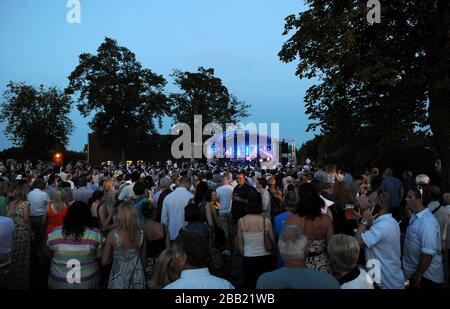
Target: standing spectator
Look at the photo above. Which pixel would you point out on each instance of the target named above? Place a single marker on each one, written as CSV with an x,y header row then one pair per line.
x,y
3,197
408,183
344,253
164,185
394,187
38,200
19,211
379,232
173,207
6,240
124,244
252,229
225,195
155,240
140,198
289,203
75,240
56,211
190,257
261,185
276,197
435,196
317,226
443,217
195,224
109,195
82,193
127,191
342,222
293,245
422,257
163,273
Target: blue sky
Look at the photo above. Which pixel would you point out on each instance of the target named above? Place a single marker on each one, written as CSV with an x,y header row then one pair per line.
x,y
240,39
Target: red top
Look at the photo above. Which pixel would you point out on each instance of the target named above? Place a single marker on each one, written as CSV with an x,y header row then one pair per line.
x,y
55,219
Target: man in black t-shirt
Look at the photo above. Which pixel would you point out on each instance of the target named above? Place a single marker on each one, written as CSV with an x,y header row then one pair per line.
x,y
240,197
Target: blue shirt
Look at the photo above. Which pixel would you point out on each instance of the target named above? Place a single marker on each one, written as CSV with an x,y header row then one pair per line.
x,y
423,236
278,227
393,186
383,245
38,202
138,204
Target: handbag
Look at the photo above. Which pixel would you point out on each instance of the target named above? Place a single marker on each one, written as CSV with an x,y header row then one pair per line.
x,y
268,244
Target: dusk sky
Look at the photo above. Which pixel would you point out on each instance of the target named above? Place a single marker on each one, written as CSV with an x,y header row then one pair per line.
x,y
240,39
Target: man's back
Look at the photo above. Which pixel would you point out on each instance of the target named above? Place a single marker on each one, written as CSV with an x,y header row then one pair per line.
x,y
38,202
199,279
297,278
173,210
393,186
225,195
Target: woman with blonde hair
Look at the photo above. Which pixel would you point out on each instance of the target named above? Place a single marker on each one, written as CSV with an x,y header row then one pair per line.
x,y
109,195
19,211
124,243
344,252
56,211
163,273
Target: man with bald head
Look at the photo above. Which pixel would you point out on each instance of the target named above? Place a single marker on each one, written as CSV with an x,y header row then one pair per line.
x,y
293,246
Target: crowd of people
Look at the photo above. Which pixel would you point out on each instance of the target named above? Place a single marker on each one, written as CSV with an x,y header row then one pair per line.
x,y
220,225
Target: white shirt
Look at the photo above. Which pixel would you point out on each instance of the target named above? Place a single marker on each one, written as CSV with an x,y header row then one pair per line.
x,y
199,279
423,236
127,192
363,281
383,245
443,217
173,210
225,195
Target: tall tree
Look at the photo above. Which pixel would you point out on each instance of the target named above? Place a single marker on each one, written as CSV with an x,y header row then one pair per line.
x,y
37,118
202,93
381,84
126,98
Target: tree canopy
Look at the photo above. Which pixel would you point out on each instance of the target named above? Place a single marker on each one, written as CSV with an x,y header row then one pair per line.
x,y
202,93
381,85
37,118
126,98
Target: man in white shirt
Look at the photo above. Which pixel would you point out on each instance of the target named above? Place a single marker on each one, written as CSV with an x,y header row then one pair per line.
x,y
380,234
422,256
225,196
173,207
127,191
191,256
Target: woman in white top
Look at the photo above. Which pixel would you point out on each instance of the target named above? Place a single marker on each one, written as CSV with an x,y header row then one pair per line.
x,y
344,252
257,259
261,185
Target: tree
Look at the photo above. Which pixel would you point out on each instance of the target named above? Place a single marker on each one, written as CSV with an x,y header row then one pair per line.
x,y
126,98
204,94
382,85
37,119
